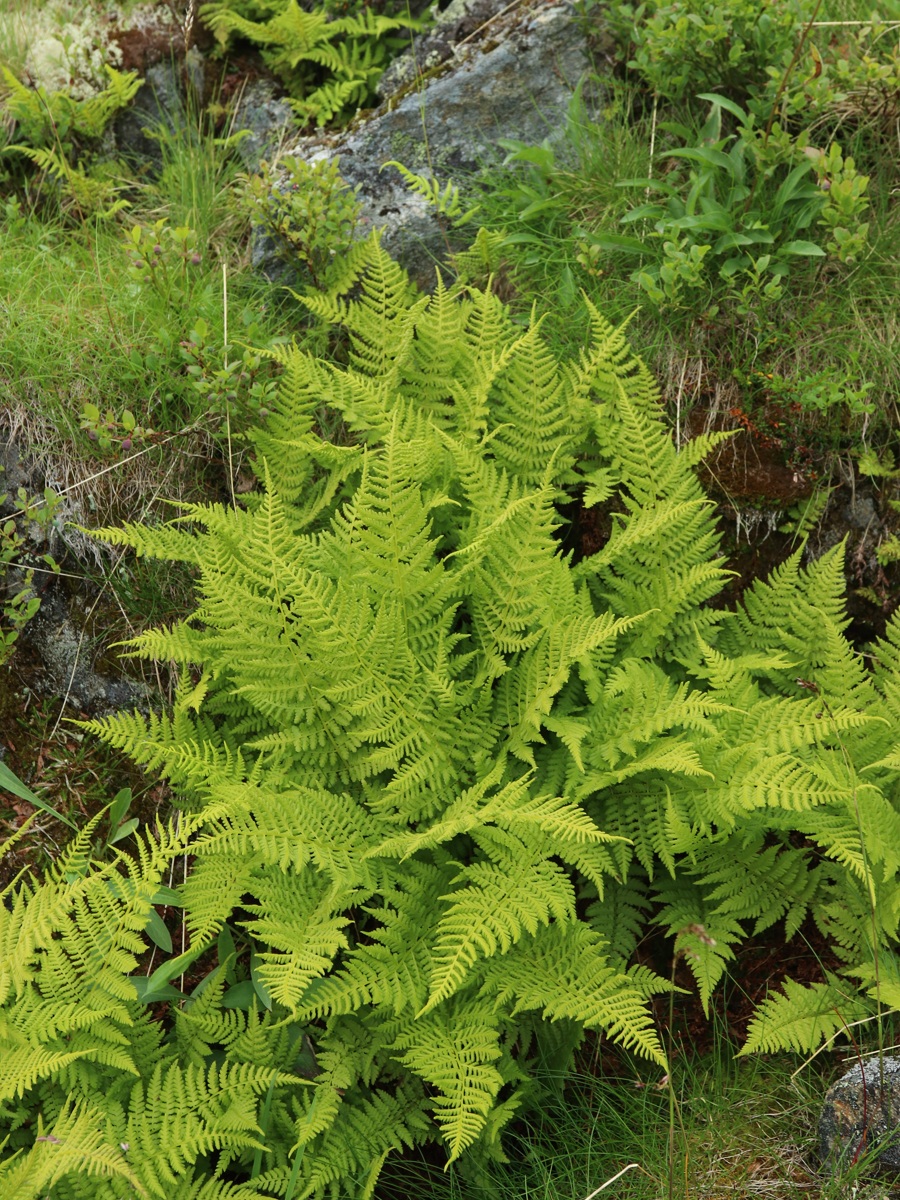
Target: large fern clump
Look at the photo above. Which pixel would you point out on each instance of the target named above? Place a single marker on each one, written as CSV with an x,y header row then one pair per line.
x,y
437,775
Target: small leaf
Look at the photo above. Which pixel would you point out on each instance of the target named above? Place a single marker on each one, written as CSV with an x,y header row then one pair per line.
x,y
225,945
157,932
240,995
152,995
807,249
124,831
728,105
119,807
10,782
175,966
260,988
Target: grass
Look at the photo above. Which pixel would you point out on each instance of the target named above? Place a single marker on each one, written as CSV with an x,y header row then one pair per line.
x,y
742,1130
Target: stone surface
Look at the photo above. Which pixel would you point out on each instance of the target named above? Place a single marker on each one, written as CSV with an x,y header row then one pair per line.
x,y
486,74
861,1112
60,652
152,43
56,634
266,120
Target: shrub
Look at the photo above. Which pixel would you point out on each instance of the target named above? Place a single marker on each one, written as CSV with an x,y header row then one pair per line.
x,y
738,218
308,210
688,46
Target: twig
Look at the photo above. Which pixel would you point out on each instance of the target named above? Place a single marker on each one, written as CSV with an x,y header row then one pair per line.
x,y
618,1175
484,25
652,144
114,466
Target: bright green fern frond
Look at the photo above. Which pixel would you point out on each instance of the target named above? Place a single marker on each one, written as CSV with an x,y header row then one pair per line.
x,y
492,912
619,917
703,932
744,879
802,1017
73,1145
301,918
454,1049
564,972
533,419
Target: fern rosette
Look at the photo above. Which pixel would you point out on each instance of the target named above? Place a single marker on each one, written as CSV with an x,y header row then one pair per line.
x,y
440,772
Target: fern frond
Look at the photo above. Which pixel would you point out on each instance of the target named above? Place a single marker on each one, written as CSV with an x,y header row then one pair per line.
x,y
445,203
703,932
801,1017
72,1145
454,1049
564,972
492,912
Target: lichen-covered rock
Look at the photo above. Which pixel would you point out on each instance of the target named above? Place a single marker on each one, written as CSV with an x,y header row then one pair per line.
x,y
56,634
861,1113
68,48
487,74
265,119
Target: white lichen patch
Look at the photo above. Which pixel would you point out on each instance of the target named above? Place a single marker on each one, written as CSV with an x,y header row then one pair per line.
x,y
68,48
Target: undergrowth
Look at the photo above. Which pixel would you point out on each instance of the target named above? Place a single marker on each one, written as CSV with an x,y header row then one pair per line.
x,y
579,212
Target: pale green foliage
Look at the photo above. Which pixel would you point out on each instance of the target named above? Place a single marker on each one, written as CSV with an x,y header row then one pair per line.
x,y
53,128
123,1110
445,201
54,118
440,774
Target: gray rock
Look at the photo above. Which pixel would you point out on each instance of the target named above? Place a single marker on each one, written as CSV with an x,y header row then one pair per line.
x,y
490,74
860,513
67,658
158,104
267,120
861,1112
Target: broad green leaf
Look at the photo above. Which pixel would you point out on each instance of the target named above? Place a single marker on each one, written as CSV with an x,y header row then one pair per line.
x,y
10,782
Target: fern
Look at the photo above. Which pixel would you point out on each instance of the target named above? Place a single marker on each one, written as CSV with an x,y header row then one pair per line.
x,y
56,130
438,774
326,64
446,202
801,1017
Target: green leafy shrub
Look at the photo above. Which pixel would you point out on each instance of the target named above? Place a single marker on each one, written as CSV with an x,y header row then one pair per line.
x,y
330,65
439,775
853,80
308,210
213,378
846,202
738,217
688,46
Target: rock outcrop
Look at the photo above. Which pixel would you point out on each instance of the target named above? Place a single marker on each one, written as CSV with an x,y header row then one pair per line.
x,y
861,1115
488,71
